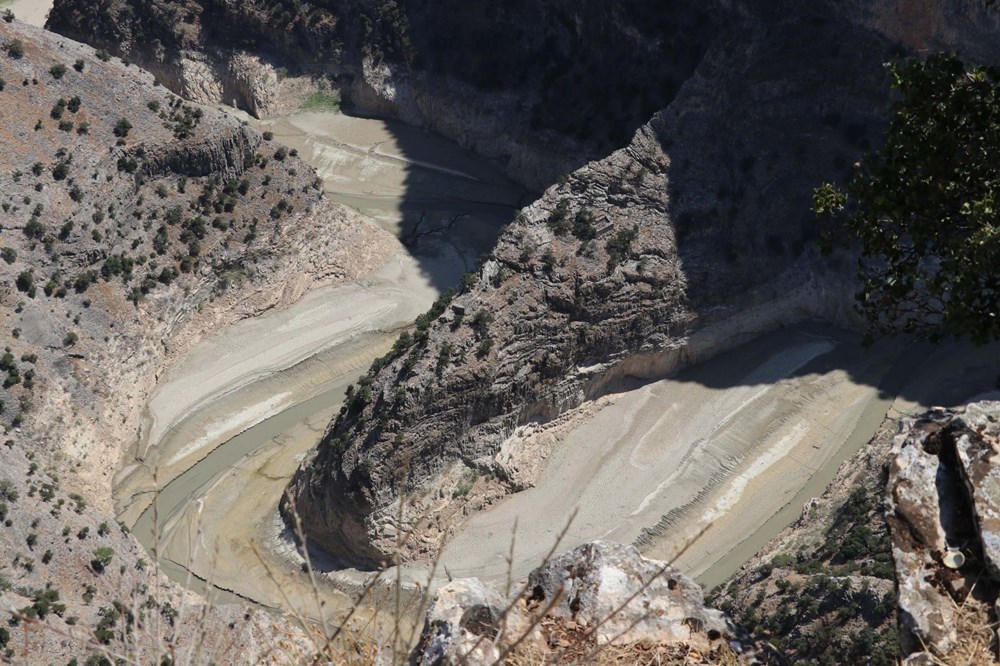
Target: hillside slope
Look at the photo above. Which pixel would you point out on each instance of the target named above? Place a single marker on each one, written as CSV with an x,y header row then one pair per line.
x,y
132,224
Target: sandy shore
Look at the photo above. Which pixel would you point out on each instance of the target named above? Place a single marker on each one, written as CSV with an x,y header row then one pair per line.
x,y
29,11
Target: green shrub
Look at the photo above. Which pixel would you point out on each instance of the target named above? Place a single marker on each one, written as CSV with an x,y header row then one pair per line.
x,y
25,281
16,49
122,128
57,71
102,558
619,246
558,221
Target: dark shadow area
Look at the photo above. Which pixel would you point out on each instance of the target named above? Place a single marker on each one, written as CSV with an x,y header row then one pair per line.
x,y
448,206
782,107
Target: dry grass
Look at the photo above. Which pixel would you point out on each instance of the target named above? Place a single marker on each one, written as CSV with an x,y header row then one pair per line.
x,y
977,635
377,628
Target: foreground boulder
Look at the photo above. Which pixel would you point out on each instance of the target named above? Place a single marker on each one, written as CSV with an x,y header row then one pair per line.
x,y
599,599
943,520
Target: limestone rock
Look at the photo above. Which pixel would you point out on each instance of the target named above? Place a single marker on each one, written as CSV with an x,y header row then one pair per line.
x,y
943,494
594,595
921,503
979,452
593,583
461,625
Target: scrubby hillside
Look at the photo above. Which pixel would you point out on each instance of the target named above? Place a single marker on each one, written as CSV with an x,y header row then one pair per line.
x,y
132,222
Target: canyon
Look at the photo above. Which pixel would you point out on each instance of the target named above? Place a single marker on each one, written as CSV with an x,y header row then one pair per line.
x,y
624,328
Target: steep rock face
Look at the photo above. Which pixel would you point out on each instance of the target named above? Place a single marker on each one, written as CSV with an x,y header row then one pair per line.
x,y
695,235
597,599
524,82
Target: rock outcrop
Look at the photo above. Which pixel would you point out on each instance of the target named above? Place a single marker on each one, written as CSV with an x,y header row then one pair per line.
x,y
598,598
942,516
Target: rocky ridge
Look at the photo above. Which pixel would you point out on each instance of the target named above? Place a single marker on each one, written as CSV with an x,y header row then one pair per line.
x,y
668,250
636,265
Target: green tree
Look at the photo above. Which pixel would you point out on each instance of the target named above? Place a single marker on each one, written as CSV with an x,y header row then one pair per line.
x,y
926,207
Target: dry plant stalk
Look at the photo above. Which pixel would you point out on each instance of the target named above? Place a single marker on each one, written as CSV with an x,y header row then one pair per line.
x,y
344,641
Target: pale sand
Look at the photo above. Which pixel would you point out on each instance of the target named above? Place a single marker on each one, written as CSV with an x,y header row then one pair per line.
x,y
29,11
719,448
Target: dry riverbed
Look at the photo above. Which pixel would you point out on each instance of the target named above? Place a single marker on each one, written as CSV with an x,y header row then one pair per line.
x,y
227,426
704,467
29,11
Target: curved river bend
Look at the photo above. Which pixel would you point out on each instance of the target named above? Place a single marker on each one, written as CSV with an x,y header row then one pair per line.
x,y
728,450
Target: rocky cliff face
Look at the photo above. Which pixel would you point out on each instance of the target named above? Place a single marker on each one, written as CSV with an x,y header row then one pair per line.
x,y
692,235
132,223
697,233
521,82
